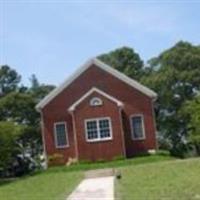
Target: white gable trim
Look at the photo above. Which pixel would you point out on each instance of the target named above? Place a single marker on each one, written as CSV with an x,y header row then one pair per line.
x,y
94,89
126,79
103,66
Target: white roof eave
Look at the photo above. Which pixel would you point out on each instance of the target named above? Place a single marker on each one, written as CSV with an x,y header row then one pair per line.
x,y
103,66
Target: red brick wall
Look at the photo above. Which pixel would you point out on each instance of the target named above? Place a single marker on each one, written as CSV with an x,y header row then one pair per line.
x,y
50,118
104,149
135,102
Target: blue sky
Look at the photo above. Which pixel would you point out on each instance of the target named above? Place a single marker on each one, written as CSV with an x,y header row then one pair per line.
x,y
52,38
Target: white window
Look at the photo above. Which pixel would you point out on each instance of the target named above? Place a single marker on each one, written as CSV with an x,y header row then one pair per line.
x,y
95,101
137,127
98,129
60,135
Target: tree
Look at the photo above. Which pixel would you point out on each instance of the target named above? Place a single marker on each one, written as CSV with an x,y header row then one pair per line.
x,y
191,110
17,109
175,76
9,132
37,90
9,80
34,82
20,108
126,60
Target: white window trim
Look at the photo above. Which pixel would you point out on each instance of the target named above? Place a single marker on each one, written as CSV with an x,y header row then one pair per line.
x,y
55,136
143,127
98,132
100,102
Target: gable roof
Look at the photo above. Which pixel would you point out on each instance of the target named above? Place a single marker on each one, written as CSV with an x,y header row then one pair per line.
x,y
94,89
106,68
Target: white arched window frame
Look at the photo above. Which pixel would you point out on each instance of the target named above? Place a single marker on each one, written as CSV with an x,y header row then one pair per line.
x,y
96,101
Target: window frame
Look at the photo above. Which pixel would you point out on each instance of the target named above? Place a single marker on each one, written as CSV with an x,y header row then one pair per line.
x,y
99,139
143,127
55,135
100,102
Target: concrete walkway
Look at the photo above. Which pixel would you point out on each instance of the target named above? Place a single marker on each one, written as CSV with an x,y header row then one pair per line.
x,y
101,188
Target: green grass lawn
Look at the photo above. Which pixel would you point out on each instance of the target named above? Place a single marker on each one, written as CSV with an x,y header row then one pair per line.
x,y
57,182
149,177
169,180
43,186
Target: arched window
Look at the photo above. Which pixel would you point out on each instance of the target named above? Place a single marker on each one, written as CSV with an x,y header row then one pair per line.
x,y
95,101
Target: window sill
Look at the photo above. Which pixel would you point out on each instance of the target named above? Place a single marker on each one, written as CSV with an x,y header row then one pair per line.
x,y
99,140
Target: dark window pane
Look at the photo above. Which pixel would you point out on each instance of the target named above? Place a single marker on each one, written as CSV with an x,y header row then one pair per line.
x,y
137,127
61,135
105,133
104,123
91,125
92,132
104,127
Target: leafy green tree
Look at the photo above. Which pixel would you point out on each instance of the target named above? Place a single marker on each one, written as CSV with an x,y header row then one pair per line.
x,y
17,104
191,110
20,108
34,82
126,60
37,90
9,132
9,80
175,76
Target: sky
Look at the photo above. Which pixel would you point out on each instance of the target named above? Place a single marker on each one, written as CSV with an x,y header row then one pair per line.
x,y
52,38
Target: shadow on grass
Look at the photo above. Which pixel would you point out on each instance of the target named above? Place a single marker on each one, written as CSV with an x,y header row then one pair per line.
x,y
5,181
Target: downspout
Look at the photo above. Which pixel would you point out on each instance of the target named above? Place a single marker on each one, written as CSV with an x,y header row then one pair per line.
x,y
75,135
122,131
154,120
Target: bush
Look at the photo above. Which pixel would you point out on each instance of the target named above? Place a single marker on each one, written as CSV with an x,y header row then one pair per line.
x,y
163,143
9,132
18,152
181,150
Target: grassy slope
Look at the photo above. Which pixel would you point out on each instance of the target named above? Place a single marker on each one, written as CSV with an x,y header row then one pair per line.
x,y
166,180
154,180
58,182
44,186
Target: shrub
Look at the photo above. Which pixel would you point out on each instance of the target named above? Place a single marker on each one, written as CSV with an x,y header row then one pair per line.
x,y
9,132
